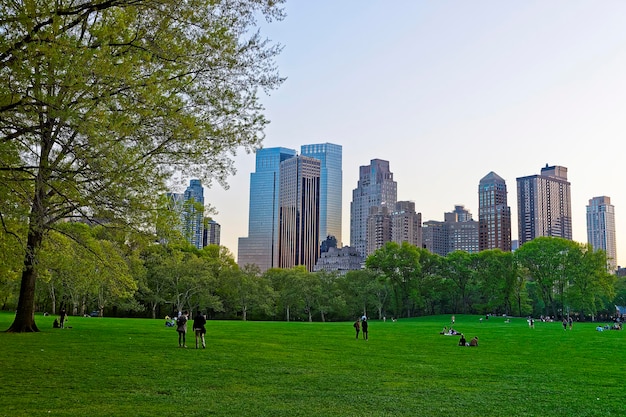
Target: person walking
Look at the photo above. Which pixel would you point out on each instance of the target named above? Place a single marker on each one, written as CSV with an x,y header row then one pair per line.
x,y
181,328
357,327
364,327
199,328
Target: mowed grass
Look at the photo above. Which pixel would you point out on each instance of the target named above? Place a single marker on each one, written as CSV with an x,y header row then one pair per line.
x,y
133,367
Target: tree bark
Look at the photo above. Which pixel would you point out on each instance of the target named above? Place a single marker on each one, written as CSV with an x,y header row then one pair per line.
x,y
25,316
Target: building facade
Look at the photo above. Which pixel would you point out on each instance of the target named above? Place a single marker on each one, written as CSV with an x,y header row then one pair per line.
x,y
299,212
406,224
601,228
375,188
260,247
340,260
458,231
378,228
212,231
494,214
193,213
331,182
544,205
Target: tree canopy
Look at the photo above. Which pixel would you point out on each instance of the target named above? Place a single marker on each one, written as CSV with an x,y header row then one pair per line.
x,y
101,101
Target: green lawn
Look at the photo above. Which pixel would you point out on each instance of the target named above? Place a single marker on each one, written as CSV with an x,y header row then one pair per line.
x,y
133,367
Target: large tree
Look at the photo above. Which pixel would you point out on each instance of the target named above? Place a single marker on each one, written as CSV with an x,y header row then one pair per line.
x,y
101,101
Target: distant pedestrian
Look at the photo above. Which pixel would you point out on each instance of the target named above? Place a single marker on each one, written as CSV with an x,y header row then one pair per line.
x,y
564,324
570,321
357,327
181,328
199,328
364,327
62,317
453,319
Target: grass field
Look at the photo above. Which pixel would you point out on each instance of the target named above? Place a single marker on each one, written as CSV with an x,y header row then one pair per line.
x,y
133,367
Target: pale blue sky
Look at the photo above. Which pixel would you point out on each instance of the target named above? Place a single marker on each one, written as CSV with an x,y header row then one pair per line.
x,y
448,91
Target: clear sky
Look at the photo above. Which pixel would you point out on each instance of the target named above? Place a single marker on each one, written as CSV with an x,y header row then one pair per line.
x,y
448,91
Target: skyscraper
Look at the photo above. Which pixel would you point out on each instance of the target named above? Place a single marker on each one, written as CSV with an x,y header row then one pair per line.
x,y
331,180
261,245
601,228
299,212
494,215
193,213
374,188
544,205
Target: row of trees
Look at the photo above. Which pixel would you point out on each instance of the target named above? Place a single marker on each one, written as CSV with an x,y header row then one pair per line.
x,y
99,269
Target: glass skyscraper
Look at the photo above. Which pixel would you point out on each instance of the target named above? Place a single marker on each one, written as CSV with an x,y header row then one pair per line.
x,y
331,180
193,213
601,228
261,245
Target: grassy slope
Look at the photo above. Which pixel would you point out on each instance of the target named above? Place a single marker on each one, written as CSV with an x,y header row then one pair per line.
x,y
133,367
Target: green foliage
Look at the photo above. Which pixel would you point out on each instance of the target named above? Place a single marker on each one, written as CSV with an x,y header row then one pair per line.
x,y
313,369
100,102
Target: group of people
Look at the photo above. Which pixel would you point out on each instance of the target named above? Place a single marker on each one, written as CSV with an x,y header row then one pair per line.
x,y
449,332
199,328
463,341
361,325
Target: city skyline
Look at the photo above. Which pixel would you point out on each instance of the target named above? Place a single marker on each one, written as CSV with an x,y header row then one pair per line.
x,y
447,92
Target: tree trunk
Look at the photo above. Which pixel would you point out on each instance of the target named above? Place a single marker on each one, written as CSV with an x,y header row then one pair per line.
x,y
25,316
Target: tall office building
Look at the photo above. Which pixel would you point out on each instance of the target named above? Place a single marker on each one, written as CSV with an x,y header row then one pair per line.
x,y
406,224
601,228
331,180
374,188
260,247
193,213
299,212
544,206
494,215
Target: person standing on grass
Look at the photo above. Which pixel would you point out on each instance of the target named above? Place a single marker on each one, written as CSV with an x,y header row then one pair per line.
x,y
181,328
62,317
199,328
564,323
357,327
570,321
364,327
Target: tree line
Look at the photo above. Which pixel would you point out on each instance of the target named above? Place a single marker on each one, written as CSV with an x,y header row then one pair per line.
x,y
86,268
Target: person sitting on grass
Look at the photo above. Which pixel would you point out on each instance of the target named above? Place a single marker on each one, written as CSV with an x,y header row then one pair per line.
x,y
474,341
462,341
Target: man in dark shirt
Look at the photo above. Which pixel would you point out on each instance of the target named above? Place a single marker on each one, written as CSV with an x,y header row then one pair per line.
x,y
199,322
